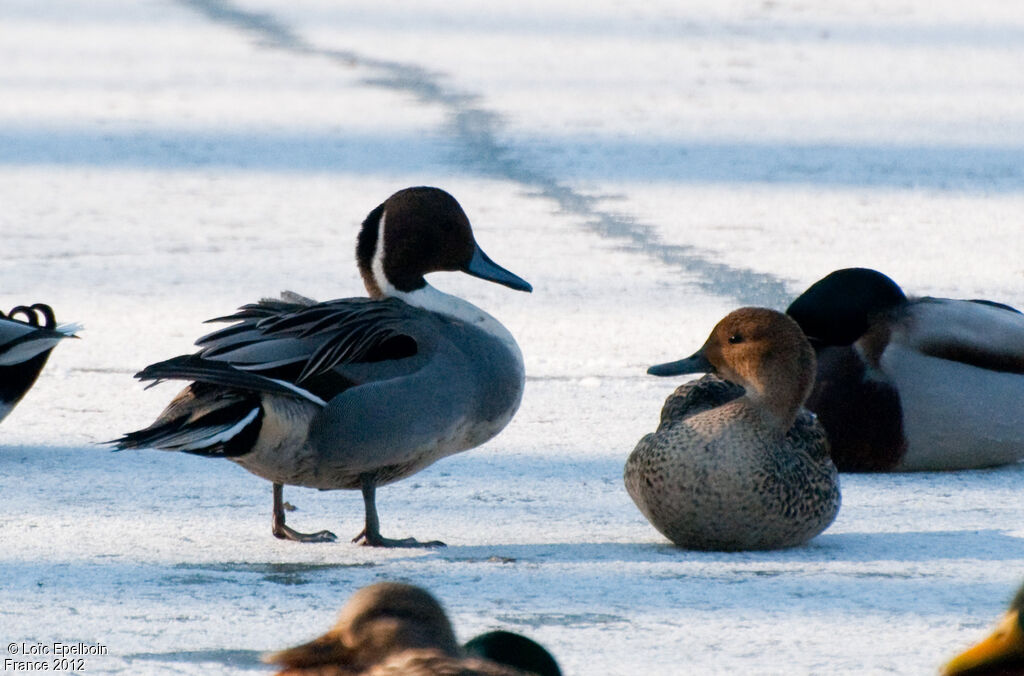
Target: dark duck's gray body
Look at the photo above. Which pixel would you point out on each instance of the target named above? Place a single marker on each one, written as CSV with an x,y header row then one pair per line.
x,y
736,463
358,392
28,334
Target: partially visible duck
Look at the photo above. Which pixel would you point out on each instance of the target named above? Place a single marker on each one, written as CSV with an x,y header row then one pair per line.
x,y
736,462
395,629
514,650
999,654
910,384
358,392
28,334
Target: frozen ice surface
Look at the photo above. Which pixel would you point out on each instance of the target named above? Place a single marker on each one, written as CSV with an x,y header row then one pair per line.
x,y
647,166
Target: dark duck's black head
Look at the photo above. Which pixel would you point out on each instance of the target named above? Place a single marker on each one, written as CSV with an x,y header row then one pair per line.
x,y
839,308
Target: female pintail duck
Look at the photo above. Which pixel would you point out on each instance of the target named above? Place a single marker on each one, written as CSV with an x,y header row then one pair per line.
x,y
913,384
738,463
999,654
358,392
28,334
393,629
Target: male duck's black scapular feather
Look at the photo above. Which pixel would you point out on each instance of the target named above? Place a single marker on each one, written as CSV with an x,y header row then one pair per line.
x,y
194,367
320,337
358,392
28,334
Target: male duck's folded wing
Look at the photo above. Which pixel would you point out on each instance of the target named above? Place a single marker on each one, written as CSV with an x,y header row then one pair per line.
x,y
985,335
313,351
194,367
269,335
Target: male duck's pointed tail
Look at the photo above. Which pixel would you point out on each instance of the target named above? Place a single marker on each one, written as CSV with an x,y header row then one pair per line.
x,y
202,420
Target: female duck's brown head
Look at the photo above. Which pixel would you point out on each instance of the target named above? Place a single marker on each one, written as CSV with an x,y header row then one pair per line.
x,y
763,351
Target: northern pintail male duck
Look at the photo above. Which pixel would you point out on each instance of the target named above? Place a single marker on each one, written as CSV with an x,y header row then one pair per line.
x,y
28,333
910,384
358,392
736,462
394,629
999,654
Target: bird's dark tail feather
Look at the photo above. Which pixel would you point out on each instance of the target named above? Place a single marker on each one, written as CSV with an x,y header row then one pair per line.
x,y
202,420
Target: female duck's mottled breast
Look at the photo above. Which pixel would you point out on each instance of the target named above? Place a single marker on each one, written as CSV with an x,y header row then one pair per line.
x,y
736,462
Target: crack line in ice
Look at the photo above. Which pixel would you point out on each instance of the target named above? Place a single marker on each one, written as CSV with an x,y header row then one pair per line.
x,y
475,129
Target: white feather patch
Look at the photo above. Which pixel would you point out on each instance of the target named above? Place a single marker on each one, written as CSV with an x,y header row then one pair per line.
x,y
22,352
305,394
226,435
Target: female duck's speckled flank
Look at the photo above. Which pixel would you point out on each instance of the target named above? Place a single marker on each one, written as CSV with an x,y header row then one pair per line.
x,y
359,392
999,654
913,384
28,334
738,463
393,629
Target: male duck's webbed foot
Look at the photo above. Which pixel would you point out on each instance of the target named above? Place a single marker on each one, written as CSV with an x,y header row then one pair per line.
x,y
283,532
378,540
370,535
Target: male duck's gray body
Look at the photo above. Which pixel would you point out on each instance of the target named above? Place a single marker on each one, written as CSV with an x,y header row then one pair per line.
x,y
358,392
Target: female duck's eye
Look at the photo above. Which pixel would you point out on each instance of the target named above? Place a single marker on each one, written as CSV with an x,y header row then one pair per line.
x,y
735,338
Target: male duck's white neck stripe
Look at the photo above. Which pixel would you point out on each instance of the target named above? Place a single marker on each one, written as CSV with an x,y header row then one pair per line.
x,y
377,264
433,300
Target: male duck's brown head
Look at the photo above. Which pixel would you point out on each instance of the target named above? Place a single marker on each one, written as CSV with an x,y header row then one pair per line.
x,y
763,351
415,232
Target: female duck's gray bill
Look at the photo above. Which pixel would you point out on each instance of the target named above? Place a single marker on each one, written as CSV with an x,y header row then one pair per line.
x,y
480,265
694,364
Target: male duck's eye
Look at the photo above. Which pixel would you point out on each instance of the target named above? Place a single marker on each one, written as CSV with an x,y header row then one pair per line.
x,y
736,338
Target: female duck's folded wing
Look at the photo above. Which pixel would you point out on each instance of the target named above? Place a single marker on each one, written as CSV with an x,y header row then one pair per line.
x,y
980,334
698,396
